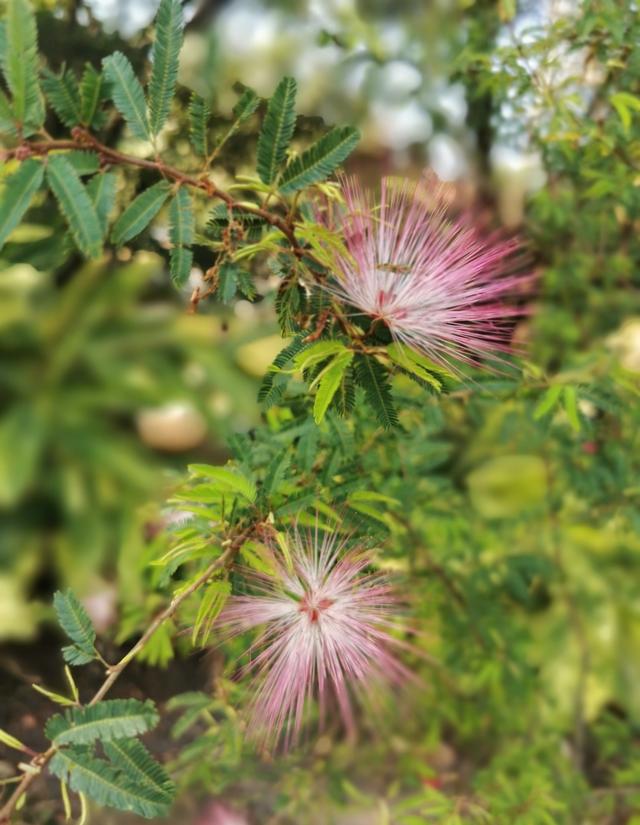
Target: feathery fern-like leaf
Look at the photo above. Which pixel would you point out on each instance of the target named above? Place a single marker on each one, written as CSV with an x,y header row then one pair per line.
x,y
328,383
21,65
63,94
199,113
277,130
246,105
372,377
320,159
164,72
139,214
102,191
75,204
84,162
91,94
16,196
100,781
213,600
106,720
77,656
127,93
74,619
181,219
3,44
7,120
132,758
180,263
271,390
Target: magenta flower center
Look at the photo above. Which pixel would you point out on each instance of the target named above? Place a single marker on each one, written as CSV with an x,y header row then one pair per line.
x,y
314,606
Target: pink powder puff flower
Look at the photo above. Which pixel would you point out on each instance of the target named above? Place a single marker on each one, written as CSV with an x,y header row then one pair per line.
x,y
326,623
435,281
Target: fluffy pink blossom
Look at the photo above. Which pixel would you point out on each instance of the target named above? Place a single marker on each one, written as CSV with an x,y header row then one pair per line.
x,y
435,281
326,623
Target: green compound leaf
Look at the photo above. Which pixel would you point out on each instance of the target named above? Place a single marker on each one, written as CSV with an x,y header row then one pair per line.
x,y
548,401
139,214
180,262
329,381
181,220
75,621
63,94
213,600
277,130
75,204
85,163
415,365
91,92
199,113
16,196
164,73
570,398
127,93
76,656
107,720
20,65
102,191
226,480
372,377
3,43
104,783
134,760
246,106
181,231
320,160
7,120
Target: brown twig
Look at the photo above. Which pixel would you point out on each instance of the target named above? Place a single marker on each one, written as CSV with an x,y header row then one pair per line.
x,y
40,760
82,139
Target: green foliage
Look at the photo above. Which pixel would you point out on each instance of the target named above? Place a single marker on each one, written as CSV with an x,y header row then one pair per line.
x,y
214,599
75,622
247,104
199,113
91,94
180,263
18,191
108,785
127,94
105,721
76,205
320,160
181,234
372,377
102,191
20,66
84,163
132,758
181,218
140,212
277,130
7,121
329,381
63,94
166,49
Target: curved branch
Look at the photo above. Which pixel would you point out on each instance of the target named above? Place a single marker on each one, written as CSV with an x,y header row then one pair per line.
x,y
82,139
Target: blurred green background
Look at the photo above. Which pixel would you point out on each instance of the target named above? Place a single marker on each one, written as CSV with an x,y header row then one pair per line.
x,y
109,386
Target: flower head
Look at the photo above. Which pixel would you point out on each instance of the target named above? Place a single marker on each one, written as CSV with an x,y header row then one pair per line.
x,y
435,282
326,623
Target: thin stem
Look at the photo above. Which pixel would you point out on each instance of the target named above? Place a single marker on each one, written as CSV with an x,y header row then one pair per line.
x,y
82,139
40,760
